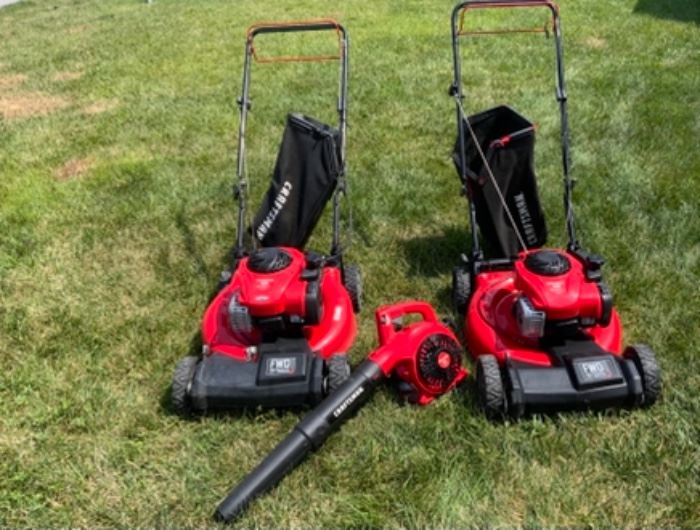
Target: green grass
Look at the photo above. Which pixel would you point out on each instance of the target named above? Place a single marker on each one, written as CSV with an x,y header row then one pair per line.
x,y
106,263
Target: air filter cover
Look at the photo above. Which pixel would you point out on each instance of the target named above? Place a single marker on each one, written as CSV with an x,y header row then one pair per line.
x,y
271,259
439,361
547,263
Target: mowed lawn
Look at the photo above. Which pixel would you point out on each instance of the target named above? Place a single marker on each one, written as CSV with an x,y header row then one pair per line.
x,y
118,127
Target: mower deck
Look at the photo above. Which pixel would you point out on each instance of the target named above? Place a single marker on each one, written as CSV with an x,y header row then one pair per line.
x,y
587,377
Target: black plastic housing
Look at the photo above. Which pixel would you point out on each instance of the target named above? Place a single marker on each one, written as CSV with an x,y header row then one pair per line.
x,y
568,385
285,373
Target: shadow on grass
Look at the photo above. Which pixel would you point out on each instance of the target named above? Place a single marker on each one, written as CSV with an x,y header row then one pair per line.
x,y
190,242
681,10
435,255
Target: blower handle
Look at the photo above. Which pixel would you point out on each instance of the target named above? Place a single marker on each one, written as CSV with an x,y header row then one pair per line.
x,y
386,317
308,435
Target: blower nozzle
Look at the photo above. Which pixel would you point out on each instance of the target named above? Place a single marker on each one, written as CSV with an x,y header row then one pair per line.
x,y
424,354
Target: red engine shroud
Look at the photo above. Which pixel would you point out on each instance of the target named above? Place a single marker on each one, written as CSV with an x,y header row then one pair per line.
x,y
274,293
491,324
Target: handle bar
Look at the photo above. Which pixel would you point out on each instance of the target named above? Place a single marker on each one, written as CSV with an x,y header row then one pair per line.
x,y
324,24
386,315
463,7
561,96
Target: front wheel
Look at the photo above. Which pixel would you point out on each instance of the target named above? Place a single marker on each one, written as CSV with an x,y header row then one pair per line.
x,y
489,387
338,369
179,391
644,359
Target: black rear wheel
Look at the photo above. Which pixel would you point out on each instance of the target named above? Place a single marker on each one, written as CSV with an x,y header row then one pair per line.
x,y
489,387
179,395
461,289
352,279
338,372
645,360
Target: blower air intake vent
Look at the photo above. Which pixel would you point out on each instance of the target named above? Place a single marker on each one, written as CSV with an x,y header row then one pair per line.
x,y
547,263
439,361
269,259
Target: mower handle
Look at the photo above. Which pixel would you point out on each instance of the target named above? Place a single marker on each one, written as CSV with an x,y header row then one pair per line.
x,y
295,25
387,315
324,24
244,104
456,90
462,7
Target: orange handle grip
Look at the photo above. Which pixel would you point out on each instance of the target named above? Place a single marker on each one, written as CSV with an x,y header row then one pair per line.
x,y
554,8
321,24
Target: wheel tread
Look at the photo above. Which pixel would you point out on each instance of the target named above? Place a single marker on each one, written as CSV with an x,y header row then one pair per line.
x,y
645,358
338,371
352,279
461,289
181,380
490,387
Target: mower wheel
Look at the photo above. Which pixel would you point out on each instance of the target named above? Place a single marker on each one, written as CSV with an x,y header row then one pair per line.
x,y
181,381
338,372
352,279
489,387
645,360
461,289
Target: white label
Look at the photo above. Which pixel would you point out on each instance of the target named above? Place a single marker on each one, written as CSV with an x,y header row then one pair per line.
x,y
281,366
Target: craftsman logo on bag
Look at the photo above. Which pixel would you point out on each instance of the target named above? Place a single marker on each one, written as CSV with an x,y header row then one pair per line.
x,y
525,219
278,204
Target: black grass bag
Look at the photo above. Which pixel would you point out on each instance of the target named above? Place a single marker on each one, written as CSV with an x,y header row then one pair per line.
x,y
507,140
305,176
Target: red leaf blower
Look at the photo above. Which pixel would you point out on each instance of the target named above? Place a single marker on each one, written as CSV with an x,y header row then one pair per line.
x,y
423,355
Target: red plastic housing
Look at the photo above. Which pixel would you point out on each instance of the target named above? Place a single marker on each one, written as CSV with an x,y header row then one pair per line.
x,y
566,296
399,345
282,292
490,322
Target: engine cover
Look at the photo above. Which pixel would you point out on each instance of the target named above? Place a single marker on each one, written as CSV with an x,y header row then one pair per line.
x,y
557,284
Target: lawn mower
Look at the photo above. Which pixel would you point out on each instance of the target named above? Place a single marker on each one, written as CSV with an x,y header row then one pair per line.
x,y
424,356
277,332
540,322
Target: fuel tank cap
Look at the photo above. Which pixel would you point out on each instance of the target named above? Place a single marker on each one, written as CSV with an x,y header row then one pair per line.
x,y
270,259
547,263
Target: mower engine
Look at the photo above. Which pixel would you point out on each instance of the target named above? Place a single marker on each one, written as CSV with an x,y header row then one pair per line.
x,y
274,336
558,294
279,293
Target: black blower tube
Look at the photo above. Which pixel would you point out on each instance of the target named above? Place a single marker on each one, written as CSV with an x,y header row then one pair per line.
x,y
308,435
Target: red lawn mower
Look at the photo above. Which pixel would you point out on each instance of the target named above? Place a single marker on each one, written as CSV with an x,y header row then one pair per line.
x,y
540,322
277,332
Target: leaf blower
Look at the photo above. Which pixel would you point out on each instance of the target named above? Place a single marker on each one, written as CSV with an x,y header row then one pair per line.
x,y
424,356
